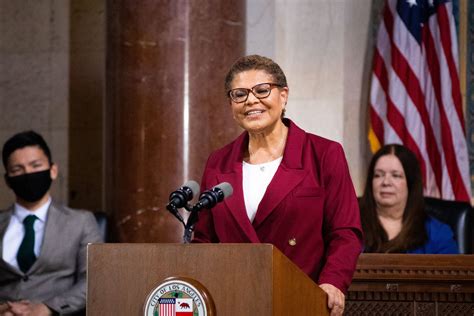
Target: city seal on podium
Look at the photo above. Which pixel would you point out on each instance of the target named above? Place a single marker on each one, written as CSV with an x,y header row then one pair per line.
x,y
179,296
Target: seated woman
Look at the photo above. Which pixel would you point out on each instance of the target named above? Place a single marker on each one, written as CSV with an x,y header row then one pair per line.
x,y
392,208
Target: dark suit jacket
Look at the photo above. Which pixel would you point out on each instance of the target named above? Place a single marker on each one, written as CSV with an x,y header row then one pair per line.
x,y
309,210
58,277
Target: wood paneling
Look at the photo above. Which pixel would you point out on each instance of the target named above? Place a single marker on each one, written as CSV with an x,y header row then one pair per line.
x,y
400,284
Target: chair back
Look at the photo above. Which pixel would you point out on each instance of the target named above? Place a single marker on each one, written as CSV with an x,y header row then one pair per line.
x,y
458,215
101,218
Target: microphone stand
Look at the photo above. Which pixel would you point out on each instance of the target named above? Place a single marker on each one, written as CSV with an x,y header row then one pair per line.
x,y
174,210
191,222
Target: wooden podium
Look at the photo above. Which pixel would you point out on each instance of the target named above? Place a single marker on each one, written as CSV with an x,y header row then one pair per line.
x,y
242,279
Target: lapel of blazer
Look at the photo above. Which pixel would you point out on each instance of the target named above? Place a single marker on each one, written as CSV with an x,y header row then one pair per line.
x,y
232,173
54,222
288,175
5,217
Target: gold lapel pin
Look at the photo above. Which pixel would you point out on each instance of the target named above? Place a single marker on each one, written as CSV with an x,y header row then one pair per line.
x,y
292,241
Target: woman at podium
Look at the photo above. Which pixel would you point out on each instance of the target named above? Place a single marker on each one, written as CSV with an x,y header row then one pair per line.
x,y
291,188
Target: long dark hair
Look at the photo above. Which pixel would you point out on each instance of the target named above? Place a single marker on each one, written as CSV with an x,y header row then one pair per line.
x,y
413,233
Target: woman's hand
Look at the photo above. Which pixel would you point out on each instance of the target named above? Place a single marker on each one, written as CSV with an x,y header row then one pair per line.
x,y
336,299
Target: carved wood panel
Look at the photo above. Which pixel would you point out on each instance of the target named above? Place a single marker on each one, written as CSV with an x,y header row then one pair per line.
x,y
412,285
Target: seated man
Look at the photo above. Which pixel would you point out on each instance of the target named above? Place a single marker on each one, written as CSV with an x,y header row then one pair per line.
x,y
42,244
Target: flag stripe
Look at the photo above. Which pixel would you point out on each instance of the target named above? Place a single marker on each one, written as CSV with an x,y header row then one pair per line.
x,y
454,115
444,30
381,111
409,47
377,126
414,92
407,42
395,118
450,154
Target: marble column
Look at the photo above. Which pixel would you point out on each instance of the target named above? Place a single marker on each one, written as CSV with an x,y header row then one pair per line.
x,y
166,107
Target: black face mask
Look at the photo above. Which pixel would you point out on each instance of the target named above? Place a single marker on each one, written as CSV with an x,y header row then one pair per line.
x,y
30,187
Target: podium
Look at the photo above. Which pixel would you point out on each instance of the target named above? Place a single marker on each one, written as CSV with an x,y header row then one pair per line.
x,y
242,279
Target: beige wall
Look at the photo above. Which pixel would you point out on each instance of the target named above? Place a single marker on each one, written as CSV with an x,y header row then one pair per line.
x,y
34,75
52,63
52,55
324,47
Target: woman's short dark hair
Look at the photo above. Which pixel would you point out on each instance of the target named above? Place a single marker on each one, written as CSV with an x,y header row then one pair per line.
x,y
413,233
21,140
255,62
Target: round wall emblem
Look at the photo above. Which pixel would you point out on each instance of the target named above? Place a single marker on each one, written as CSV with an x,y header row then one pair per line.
x,y
179,296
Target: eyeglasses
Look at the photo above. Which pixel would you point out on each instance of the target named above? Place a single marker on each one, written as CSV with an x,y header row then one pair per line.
x,y
260,91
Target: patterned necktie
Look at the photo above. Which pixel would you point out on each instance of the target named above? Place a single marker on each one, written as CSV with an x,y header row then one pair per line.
x,y
26,255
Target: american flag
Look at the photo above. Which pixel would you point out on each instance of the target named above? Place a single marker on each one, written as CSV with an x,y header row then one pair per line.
x,y
415,96
167,306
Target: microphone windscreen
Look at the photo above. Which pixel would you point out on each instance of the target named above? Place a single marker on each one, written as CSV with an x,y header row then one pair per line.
x,y
193,186
226,188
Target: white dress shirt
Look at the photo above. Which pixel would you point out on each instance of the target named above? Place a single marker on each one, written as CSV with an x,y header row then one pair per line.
x,y
16,231
256,179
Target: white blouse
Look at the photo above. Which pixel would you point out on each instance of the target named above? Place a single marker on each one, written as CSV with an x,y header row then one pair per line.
x,y
256,179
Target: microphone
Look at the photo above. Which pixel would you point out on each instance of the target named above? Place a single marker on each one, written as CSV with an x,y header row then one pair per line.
x,y
216,194
185,193
180,198
208,199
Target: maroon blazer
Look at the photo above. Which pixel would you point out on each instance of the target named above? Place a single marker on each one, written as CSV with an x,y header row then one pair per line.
x,y
309,210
